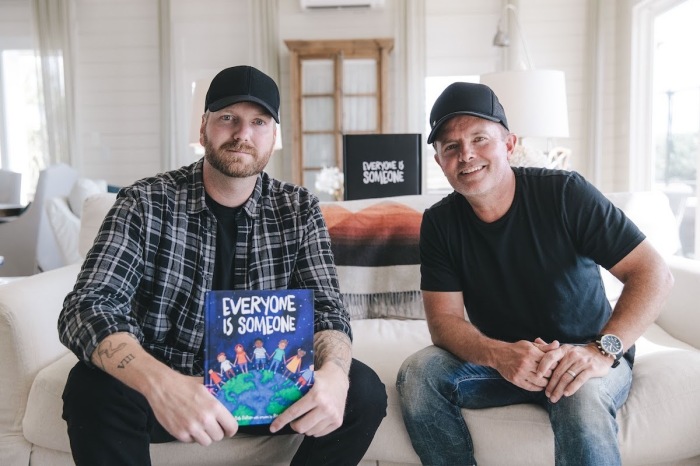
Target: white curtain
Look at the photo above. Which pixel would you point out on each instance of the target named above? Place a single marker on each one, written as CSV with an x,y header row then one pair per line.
x,y
52,21
410,73
265,37
265,56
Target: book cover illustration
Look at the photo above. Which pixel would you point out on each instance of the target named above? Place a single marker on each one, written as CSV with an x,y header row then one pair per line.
x,y
258,355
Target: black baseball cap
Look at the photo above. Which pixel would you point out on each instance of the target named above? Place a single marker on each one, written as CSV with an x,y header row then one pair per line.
x,y
465,99
243,84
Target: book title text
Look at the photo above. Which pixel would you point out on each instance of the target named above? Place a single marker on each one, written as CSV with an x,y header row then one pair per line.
x,y
263,314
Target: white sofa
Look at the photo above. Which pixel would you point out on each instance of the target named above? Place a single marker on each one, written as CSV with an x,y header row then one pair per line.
x,y
659,424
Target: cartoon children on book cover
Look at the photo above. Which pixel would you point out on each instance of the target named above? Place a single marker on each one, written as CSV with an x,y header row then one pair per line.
x,y
259,351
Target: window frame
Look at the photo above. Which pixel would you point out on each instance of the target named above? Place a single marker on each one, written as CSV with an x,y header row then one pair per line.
x,y
336,50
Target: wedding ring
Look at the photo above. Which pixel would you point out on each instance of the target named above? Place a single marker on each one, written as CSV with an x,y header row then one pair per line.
x,y
571,373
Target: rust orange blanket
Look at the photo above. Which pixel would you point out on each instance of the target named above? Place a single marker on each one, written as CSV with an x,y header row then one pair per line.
x,y
375,245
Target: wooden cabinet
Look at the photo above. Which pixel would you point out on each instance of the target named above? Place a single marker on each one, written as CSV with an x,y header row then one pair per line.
x,y
337,87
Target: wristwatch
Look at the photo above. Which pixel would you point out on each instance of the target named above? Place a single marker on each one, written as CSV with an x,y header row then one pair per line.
x,y
610,345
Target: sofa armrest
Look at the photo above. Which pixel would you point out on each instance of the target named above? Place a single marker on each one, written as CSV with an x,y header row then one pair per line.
x,y
679,316
29,310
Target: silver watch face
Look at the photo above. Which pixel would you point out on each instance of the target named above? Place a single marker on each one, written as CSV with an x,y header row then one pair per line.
x,y
611,344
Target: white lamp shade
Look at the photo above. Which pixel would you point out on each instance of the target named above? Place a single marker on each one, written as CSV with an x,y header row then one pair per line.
x,y
199,95
534,101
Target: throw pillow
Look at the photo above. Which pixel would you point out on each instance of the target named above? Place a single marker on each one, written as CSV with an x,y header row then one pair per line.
x,y
82,189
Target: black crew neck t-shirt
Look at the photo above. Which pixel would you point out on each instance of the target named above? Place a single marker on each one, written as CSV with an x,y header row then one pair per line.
x,y
226,233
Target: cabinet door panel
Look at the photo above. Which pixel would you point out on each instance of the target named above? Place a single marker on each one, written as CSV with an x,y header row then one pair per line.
x,y
318,114
336,89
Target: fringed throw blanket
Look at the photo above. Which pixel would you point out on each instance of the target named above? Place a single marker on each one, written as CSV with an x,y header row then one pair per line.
x,y
375,245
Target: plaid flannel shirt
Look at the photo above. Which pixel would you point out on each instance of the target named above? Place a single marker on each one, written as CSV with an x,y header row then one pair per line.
x,y
153,261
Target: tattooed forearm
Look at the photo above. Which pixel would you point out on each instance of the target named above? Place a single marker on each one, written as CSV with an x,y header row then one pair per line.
x,y
332,346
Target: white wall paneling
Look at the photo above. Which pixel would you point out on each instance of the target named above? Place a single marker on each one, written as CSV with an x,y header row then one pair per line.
x,y
459,35
117,89
557,35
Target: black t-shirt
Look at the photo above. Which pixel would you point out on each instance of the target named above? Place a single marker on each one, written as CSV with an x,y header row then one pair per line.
x,y
226,231
534,272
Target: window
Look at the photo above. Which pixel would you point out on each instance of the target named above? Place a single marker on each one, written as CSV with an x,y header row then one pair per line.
x,y
21,133
676,115
337,88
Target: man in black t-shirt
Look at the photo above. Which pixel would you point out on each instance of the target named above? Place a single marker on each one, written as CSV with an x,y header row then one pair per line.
x,y
519,249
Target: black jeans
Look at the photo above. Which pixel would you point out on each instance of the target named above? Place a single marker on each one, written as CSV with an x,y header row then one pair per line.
x,y
111,424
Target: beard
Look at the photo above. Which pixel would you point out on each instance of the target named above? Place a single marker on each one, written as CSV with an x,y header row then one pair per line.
x,y
234,166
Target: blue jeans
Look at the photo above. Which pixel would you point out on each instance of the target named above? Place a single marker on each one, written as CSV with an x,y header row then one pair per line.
x,y
433,386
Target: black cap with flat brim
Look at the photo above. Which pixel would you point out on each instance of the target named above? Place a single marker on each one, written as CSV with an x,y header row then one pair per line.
x,y
465,99
243,84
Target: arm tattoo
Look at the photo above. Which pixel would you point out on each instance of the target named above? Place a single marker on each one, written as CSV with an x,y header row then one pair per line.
x,y
332,346
105,350
129,357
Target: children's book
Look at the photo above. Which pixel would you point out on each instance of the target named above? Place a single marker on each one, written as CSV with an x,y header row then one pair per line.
x,y
258,355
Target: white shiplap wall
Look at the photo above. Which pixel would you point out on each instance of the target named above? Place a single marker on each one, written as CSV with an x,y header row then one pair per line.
x,y
119,78
614,71
16,27
556,31
459,35
117,89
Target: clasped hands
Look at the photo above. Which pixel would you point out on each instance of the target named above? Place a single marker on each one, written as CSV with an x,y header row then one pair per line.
x,y
559,370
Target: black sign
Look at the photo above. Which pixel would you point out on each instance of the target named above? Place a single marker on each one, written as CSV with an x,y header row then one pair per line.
x,y
381,165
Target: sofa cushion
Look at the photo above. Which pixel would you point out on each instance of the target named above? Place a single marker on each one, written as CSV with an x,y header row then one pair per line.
x,y
651,212
654,422
82,189
65,226
384,344
42,424
95,209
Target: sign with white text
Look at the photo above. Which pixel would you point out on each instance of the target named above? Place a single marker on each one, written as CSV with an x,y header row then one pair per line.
x,y
381,165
